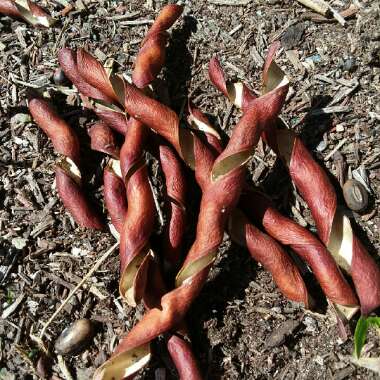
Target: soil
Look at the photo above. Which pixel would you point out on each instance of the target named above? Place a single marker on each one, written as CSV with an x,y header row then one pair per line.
x,y
241,326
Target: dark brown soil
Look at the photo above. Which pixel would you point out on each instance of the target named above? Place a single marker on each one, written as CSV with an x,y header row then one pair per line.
x,y
241,326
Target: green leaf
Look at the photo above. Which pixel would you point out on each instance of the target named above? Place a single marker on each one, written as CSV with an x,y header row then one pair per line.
x,y
374,321
10,297
32,354
361,332
360,336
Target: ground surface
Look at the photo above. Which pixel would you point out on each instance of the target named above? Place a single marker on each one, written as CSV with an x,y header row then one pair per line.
x,y
43,254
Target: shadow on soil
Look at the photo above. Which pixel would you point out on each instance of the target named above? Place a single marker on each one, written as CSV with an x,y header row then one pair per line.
x,y
230,281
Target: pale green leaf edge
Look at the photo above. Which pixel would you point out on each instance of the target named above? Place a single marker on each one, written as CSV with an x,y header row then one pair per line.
x,y
361,333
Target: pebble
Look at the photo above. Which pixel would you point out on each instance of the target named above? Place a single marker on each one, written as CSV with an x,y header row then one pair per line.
x,y
19,243
339,128
375,36
349,64
59,77
322,146
311,324
74,338
20,119
43,366
319,360
355,195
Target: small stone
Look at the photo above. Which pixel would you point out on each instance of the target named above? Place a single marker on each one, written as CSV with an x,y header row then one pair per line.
x,y
79,252
19,243
311,324
32,306
349,64
375,36
6,374
322,146
319,360
84,373
101,12
339,128
74,338
100,55
80,5
20,119
59,77
43,366
355,195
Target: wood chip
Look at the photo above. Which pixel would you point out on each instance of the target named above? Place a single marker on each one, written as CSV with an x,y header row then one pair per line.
x,y
5,270
333,109
347,13
236,29
42,226
341,167
35,188
278,335
63,367
68,8
318,6
92,289
20,36
299,217
95,267
100,55
259,170
126,16
341,94
324,78
341,143
230,2
265,311
322,7
256,56
12,308
235,68
293,57
80,5
136,22
59,280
